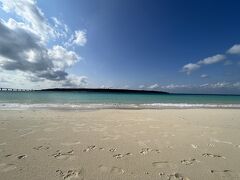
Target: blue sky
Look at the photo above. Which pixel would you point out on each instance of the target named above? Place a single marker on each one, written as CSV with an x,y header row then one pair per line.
x,y
175,46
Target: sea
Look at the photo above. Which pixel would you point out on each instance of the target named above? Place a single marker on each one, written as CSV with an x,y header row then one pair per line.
x,y
92,100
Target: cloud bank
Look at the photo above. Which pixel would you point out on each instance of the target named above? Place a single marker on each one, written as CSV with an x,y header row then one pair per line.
x,y
24,46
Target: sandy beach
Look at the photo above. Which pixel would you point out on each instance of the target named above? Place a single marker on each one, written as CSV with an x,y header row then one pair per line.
x,y
120,144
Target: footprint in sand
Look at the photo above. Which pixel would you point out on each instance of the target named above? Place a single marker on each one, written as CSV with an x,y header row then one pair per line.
x,y
238,146
120,156
157,150
71,174
212,155
189,162
226,174
8,155
145,151
112,149
7,167
63,155
172,176
90,148
41,148
114,170
22,156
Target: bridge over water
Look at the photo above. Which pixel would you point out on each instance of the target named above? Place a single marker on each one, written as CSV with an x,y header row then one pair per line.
x,y
14,89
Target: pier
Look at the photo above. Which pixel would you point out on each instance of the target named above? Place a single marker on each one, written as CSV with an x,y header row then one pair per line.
x,y
15,90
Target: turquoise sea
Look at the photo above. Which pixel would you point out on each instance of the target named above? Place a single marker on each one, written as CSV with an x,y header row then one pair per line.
x,y
88,100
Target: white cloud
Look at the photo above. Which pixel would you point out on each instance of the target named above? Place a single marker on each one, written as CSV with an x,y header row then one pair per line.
x,y
57,22
154,86
217,85
60,29
211,60
175,86
201,88
62,58
213,86
189,68
204,85
142,86
204,76
235,49
80,38
75,81
220,85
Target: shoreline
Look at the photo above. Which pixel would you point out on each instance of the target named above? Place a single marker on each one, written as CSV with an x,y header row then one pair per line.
x,y
113,106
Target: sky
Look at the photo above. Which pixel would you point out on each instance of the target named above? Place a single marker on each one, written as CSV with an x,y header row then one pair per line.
x,y
180,46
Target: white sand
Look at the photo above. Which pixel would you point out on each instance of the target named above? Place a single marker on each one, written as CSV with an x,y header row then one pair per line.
x,y
120,144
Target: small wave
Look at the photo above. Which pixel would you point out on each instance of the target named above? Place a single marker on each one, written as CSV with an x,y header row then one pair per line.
x,y
185,105
18,106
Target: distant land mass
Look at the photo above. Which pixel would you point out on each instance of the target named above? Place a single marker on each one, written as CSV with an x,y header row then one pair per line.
x,y
105,90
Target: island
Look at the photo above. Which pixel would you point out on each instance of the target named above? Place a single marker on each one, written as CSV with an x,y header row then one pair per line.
x,y
105,90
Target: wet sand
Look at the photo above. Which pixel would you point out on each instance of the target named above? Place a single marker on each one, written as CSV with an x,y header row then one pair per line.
x,y
120,144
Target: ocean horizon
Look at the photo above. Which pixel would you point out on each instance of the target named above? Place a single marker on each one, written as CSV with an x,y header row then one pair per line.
x,y
97,100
